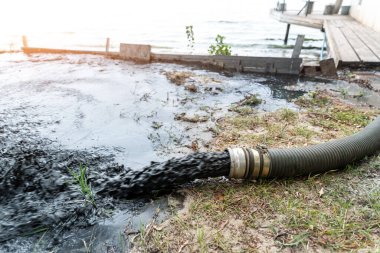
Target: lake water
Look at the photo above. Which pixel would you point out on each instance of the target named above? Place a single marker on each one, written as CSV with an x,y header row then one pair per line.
x,y
246,24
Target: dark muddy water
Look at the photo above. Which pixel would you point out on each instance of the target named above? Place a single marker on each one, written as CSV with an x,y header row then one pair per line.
x,y
57,112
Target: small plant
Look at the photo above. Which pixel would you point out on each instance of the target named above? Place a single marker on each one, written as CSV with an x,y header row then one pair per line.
x,y
288,115
201,238
190,37
81,179
220,48
251,100
242,110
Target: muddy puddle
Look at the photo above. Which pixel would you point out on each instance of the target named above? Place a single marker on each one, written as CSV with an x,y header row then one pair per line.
x,y
58,112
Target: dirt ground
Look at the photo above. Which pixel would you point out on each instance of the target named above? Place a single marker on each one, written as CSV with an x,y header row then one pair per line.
x,y
334,211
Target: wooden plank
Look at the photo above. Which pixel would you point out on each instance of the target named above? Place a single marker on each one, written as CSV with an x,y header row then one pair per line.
x,y
368,37
344,50
297,20
298,46
337,23
332,46
361,49
274,65
31,50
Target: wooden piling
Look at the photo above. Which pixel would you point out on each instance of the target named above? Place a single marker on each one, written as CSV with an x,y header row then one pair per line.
x,y
107,46
298,46
287,34
24,41
338,4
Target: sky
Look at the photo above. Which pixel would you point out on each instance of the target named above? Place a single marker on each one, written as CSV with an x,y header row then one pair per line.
x,y
28,16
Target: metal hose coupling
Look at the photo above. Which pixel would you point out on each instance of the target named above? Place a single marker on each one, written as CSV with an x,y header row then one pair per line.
x,y
248,163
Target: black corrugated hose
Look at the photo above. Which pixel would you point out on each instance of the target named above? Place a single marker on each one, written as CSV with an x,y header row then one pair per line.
x,y
276,163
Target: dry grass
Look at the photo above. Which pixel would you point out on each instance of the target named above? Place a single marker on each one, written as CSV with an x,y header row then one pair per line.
x,y
178,78
320,118
336,211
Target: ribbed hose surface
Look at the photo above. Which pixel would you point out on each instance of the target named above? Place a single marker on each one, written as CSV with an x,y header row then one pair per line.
x,y
327,156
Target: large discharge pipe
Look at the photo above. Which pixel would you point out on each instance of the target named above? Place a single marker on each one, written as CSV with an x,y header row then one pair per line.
x,y
247,163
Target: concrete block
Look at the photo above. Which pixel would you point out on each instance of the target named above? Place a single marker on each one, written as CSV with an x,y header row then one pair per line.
x,y
328,67
135,52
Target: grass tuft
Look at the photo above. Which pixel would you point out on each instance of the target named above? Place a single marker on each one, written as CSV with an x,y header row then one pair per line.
x,y
85,187
251,100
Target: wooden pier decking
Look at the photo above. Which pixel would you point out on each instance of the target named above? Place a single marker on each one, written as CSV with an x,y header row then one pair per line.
x,y
350,43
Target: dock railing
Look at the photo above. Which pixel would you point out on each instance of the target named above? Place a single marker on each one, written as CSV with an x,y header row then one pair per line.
x,y
307,8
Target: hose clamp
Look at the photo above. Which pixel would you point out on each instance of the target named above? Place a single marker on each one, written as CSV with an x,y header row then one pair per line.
x,y
247,163
238,163
256,163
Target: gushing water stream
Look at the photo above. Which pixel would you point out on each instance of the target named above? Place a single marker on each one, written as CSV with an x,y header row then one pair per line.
x,y
165,175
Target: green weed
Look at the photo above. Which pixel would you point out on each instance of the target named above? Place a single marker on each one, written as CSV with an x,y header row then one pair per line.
x,y
288,115
220,48
251,100
81,179
190,37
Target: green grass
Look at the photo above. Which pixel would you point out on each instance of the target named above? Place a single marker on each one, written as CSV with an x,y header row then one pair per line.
x,y
288,115
202,240
242,110
314,99
80,178
352,117
304,132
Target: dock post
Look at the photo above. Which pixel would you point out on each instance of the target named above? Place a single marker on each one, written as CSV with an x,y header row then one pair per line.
x,y
287,34
338,4
24,41
298,46
107,46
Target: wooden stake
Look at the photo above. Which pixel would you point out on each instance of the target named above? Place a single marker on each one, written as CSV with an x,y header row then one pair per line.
x,y
287,34
25,41
107,46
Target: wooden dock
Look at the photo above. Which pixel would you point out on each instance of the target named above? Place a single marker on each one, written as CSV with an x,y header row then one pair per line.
x,y
350,43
